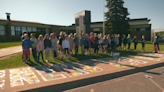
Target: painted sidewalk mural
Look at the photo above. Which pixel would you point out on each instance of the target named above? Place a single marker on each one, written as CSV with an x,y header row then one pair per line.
x,y
146,57
47,73
2,79
110,61
154,55
87,67
17,76
119,62
69,70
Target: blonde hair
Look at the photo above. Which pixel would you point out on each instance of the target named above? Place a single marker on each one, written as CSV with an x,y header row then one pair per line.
x,y
75,34
104,37
25,35
45,36
51,35
40,36
32,34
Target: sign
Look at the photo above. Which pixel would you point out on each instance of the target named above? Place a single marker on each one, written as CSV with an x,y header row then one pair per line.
x,y
81,22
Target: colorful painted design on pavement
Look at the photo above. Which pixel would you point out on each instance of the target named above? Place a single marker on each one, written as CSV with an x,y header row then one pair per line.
x,y
112,62
2,79
69,70
147,58
88,68
153,55
47,73
131,61
17,76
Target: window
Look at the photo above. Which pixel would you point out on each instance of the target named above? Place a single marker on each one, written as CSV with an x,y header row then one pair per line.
x,y
134,29
18,30
47,31
29,29
2,30
24,29
142,29
34,29
12,30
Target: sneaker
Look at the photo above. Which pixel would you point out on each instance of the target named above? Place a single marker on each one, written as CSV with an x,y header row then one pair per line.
x,y
104,52
23,61
68,58
86,53
46,60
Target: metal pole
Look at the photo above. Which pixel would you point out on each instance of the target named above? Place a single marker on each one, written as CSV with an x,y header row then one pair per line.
x,y
103,19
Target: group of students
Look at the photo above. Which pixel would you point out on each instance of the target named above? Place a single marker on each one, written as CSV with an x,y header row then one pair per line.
x,y
68,44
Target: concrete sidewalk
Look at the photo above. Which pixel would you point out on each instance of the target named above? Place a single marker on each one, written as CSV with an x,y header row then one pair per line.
x,y
65,76
10,50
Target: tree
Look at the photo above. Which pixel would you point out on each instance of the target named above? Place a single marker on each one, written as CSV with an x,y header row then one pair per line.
x,y
116,18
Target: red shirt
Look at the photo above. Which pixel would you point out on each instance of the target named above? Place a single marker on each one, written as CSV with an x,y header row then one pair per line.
x,y
92,39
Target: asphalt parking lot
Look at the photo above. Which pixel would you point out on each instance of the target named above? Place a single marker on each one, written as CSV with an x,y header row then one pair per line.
x,y
131,83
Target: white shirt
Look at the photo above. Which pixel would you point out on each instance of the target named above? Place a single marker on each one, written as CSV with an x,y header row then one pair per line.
x,y
65,44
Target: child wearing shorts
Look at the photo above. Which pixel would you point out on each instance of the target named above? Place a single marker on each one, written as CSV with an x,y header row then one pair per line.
x,y
47,46
105,43
66,46
143,41
26,47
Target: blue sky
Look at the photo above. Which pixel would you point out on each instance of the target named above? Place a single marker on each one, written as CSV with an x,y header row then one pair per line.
x,y
62,12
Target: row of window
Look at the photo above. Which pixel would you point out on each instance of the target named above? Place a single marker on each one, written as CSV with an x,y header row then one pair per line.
x,y
17,30
141,29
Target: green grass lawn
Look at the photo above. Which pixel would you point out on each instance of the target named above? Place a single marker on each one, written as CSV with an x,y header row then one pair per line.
x,y
15,61
9,44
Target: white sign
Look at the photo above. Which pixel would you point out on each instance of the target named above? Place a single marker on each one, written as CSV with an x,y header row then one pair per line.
x,y
81,22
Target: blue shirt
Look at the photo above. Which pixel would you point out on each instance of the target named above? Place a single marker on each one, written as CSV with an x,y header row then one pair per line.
x,y
26,44
87,40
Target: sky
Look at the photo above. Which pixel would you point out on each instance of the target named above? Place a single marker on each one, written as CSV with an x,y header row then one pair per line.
x,y
62,12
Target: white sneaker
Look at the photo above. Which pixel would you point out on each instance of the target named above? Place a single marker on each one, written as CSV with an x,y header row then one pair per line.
x,y
104,52
86,53
46,60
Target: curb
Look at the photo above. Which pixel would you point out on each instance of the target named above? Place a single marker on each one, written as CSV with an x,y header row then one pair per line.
x,y
96,79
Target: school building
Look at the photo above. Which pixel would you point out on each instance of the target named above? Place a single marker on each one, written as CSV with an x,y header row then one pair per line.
x,y
12,29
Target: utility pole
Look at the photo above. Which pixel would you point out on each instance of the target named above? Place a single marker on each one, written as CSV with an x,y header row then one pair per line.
x,y
103,18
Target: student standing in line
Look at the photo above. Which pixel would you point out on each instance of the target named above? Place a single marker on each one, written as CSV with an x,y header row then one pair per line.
x,y
40,47
73,49
135,42
61,38
109,39
129,41
124,41
116,42
105,43
26,47
33,44
47,46
101,42
82,43
96,44
71,44
87,43
120,42
143,41
156,41
93,43
112,42
54,45
76,41
66,46
22,38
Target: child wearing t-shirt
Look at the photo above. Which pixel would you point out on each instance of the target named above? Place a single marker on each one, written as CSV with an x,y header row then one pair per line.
x,y
66,46
143,41
135,42
33,46
87,42
26,47
40,47
47,46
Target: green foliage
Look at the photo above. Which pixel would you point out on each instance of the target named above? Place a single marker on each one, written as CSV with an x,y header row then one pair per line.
x,y
160,33
116,18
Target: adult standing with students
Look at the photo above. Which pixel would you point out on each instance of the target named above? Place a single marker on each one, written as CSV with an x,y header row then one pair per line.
x,y
156,42
129,41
